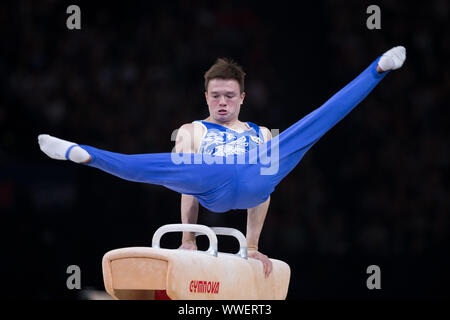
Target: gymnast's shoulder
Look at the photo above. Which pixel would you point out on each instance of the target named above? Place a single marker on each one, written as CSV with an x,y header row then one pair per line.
x,y
189,137
266,133
191,128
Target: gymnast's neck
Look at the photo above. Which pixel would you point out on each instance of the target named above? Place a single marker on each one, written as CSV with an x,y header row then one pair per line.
x,y
230,124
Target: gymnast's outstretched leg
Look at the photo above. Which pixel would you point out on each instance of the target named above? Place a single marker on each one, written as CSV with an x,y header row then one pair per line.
x,y
295,141
154,168
286,150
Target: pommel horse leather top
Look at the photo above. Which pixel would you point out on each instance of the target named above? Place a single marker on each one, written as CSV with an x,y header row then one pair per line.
x,y
154,273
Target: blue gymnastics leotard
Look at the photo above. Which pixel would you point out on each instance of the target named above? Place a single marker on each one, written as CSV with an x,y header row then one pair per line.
x,y
222,183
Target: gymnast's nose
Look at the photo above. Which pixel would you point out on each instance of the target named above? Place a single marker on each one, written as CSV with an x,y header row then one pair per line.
x,y
222,101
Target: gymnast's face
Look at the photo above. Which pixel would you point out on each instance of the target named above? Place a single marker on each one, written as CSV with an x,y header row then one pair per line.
x,y
224,99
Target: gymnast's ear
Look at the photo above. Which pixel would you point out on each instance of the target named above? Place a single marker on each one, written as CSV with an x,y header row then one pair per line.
x,y
242,97
206,98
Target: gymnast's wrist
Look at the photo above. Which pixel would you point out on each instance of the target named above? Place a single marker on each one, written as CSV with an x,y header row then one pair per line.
x,y
252,248
188,237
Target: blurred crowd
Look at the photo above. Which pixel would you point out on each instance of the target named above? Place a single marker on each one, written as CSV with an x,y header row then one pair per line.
x,y
377,183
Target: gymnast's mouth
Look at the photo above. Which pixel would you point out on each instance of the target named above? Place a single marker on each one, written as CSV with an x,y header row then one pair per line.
x,y
222,111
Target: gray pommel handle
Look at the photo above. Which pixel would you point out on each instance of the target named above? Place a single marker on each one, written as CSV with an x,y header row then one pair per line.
x,y
185,227
234,233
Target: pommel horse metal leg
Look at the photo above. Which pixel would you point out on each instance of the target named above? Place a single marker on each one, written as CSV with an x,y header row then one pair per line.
x,y
144,272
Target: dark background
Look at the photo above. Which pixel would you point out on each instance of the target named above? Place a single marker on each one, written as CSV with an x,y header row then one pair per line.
x,y
374,190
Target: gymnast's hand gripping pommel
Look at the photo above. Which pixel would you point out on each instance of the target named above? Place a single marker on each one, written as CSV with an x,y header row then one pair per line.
x,y
224,183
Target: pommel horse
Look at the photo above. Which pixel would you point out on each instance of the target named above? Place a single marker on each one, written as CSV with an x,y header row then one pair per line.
x,y
153,273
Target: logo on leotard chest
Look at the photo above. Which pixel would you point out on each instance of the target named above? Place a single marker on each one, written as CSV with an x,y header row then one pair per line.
x,y
220,143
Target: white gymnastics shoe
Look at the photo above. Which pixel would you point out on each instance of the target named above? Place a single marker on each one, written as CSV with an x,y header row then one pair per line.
x,y
57,149
392,59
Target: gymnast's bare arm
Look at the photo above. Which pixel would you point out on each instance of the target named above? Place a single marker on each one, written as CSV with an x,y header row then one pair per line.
x,y
187,141
255,222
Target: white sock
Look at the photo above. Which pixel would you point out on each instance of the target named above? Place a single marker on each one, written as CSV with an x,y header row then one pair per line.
x,y
57,148
392,59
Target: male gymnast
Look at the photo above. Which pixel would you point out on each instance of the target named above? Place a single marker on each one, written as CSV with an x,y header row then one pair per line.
x,y
224,184
223,134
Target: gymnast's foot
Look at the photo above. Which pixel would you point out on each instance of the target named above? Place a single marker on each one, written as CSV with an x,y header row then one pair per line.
x,y
392,59
58,149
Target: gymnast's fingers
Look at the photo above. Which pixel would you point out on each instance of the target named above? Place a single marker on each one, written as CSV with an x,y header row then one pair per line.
x,y
189,245
269,267
267,264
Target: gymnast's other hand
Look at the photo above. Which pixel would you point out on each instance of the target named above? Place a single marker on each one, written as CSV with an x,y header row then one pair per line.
x,y
189,245
267,264
58,149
